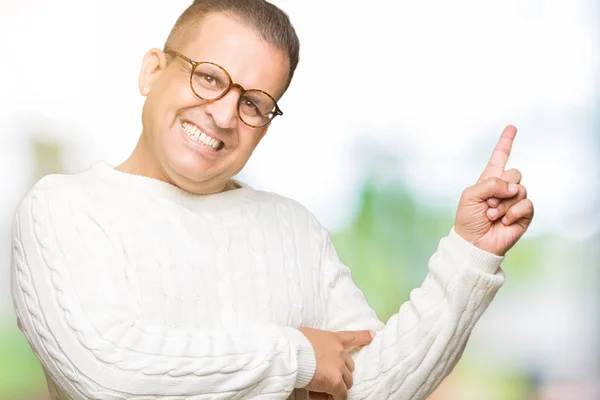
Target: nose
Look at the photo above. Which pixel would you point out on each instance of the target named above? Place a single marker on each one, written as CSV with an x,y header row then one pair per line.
x,y
224,110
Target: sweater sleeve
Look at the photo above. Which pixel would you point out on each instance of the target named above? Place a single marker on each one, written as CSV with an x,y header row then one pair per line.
x,y
74,303
420,345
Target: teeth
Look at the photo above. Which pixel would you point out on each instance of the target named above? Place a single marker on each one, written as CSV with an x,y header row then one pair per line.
x,y
199,136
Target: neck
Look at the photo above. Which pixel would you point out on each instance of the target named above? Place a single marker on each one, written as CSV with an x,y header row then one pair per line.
x,y
142,162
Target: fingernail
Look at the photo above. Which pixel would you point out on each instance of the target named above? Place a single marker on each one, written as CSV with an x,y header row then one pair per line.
x,y
504,220
492,212
373,333
513,188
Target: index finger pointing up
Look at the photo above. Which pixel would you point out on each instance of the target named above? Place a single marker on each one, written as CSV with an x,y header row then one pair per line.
x,y
497,163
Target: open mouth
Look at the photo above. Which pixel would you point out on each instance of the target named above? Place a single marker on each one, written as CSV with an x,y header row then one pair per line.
x,y
198,136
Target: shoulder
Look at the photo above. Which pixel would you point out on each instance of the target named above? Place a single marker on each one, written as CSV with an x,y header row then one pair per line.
x,y
283,203
67,183
286,208
59,215
57,191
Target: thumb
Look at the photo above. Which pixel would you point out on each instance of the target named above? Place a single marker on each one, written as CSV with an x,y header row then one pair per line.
x,y
355,338
493,187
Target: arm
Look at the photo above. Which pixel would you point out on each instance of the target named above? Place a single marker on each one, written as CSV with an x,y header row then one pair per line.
x,y
73,298
420,345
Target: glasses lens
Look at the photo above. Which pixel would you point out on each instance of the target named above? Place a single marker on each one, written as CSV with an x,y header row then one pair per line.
x,y
210,81
256,108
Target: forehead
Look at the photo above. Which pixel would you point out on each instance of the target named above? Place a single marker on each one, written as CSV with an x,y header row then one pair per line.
x,y
249,60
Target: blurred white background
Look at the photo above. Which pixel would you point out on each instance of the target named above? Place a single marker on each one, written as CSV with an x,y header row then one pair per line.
x,y
425,86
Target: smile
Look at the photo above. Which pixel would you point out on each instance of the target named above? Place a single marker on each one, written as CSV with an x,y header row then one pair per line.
x,y
197,135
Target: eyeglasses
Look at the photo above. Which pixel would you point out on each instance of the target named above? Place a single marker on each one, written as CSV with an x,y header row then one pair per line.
x,y
211,82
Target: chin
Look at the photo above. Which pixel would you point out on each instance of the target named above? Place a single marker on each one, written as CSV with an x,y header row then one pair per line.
x,y
189,171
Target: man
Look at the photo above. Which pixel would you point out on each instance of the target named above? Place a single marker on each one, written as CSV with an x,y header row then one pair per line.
x,y
165,278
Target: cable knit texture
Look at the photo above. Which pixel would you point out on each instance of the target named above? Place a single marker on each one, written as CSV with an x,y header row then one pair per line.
x,y
127,287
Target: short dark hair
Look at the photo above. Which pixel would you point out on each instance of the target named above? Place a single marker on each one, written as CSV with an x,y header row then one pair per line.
x,y
269,21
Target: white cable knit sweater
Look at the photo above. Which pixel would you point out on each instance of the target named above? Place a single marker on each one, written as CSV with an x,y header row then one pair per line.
x,y
127,287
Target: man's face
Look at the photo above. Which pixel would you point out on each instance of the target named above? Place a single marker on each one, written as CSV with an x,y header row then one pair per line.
x,y
171,106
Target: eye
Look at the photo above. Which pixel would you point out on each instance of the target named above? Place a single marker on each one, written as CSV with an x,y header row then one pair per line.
x,y
248,107
206,79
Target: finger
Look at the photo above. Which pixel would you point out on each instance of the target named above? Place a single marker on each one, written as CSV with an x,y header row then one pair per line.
x,y
523,210
498,212
339,397
318,396
493,201
513,176
347,375
340,391
354,338
499,158
349,362
492,187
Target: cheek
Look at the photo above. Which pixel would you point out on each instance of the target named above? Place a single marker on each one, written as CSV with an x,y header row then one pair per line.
x,y
167,118
249,137
171,97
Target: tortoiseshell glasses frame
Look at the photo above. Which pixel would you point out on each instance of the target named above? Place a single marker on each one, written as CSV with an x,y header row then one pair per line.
x,y
268,116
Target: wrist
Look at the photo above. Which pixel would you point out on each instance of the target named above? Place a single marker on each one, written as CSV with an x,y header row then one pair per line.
x,y
306,359
466,252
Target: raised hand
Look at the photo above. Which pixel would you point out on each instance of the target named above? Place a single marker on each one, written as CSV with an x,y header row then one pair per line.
x,y
494,213
335,366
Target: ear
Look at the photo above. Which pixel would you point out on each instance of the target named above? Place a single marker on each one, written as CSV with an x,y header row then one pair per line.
x,y
154,63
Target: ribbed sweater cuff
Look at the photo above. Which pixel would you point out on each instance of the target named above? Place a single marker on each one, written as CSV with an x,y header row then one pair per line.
x,y
473,256
307,362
